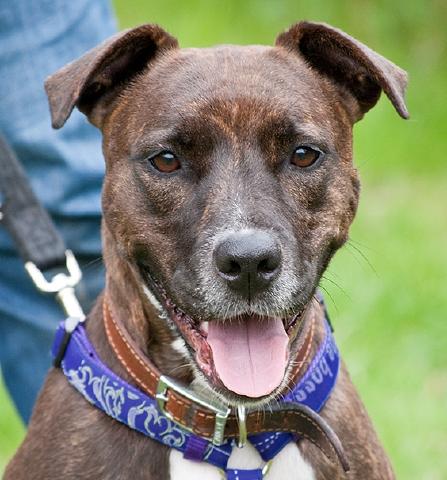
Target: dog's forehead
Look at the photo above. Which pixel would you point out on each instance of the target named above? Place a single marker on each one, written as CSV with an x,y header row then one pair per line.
x,y
243,84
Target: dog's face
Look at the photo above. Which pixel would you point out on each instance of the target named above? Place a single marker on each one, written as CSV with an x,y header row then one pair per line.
x,y
230,185
244,150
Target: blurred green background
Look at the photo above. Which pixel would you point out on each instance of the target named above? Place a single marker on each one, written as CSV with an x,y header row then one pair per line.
x,y
387,287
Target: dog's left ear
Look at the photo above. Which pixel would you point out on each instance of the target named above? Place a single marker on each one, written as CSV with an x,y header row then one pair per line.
x,y
349,64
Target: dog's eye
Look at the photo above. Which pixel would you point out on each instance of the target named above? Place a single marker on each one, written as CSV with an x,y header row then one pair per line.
x,y
166,162
305,156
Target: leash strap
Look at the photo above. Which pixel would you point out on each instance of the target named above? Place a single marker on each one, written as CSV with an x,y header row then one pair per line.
x,y
127,404
35,236
23,216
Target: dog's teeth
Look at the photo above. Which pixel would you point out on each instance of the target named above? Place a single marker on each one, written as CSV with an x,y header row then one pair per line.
x,y
204,327
169,303
288,322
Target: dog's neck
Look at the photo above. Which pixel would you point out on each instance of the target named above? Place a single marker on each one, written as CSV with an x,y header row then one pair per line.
x,y
126,295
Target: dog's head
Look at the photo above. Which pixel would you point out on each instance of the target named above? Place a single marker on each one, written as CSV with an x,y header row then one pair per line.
x,y
230,181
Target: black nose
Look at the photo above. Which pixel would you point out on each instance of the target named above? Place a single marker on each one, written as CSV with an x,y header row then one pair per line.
x,y
248,260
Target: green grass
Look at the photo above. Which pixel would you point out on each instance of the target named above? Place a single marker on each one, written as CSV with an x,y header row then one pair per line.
x,y
389,283
389,318
11,428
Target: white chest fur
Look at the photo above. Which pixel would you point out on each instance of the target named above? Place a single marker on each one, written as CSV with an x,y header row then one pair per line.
x,y
288,461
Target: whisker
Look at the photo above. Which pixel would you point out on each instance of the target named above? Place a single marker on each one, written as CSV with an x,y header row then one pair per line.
x,y
179,367
361,255
92,263
333,282
362,245
331,298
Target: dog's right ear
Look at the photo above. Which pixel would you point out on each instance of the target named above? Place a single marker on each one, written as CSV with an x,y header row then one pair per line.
x,y
92,82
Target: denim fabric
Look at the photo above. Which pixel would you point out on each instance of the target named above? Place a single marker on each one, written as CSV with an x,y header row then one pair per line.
x,y
65,167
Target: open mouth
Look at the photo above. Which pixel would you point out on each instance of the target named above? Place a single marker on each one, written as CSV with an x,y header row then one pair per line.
x,y
247,355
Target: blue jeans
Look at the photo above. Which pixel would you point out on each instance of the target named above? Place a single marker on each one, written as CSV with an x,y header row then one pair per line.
x,y
65,167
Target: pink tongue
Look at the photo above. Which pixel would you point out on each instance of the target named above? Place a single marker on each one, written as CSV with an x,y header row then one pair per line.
x,y
250,355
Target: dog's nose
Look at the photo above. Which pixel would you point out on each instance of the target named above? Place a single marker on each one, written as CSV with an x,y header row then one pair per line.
x,y
248,260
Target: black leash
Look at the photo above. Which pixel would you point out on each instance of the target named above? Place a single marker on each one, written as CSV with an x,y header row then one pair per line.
x,y
35,236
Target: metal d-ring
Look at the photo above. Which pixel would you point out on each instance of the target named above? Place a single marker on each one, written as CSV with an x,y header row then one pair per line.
x,y
265,470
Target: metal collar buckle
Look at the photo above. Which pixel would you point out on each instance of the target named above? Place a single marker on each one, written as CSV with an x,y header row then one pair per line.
x,y
220,410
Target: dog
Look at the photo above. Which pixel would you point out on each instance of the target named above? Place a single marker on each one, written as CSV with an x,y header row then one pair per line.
x,y
229,186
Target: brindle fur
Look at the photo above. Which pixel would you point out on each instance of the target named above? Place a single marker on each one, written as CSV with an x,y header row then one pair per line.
x,y
233,115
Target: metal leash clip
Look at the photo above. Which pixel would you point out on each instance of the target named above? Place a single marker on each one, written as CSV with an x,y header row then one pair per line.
x,y
62,284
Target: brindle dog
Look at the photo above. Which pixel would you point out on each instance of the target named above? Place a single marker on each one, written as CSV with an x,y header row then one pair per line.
x,y
229,186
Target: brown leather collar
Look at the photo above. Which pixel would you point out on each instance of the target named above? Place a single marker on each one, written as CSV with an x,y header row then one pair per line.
x,y
193,416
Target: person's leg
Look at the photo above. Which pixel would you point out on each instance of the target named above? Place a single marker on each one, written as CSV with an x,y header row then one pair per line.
x,y
25,361
27,324
65,168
